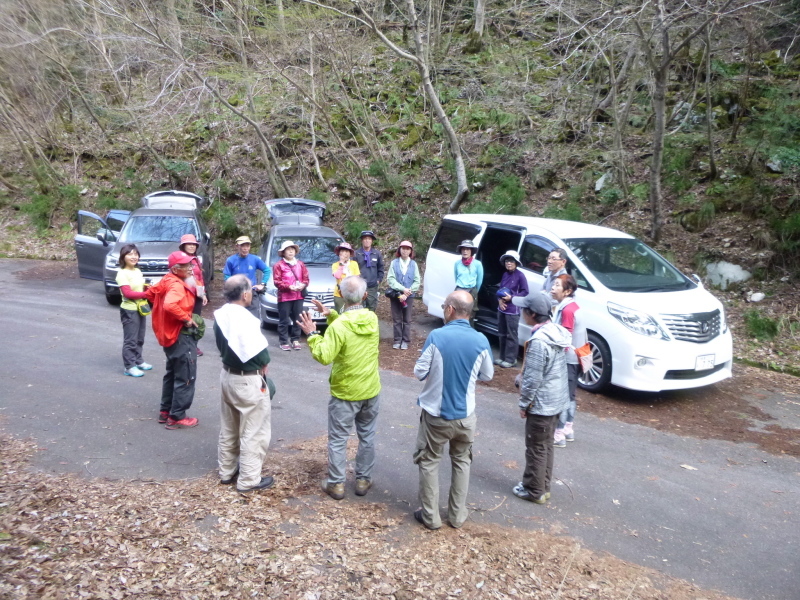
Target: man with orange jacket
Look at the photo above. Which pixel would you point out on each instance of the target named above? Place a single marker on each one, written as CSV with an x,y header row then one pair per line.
x,y
172,302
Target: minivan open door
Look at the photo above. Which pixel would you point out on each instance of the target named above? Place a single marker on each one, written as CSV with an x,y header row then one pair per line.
x,y
93,242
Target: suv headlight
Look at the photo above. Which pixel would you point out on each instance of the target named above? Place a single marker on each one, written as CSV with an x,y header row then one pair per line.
x,y
112,261
636,321
723,322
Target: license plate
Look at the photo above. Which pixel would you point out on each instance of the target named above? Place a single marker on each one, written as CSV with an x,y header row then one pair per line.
x,y
316,315
154,280
704,363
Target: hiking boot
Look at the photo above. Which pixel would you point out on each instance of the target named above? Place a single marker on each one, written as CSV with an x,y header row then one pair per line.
x,y
524,494
266,482
418,517
145,367
519,488
163,415
362,486
334,490
180,424
230,479
559,440
285,347
134,372
569,434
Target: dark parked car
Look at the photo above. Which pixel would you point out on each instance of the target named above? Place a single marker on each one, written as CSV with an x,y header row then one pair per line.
x,y
156,229
300,221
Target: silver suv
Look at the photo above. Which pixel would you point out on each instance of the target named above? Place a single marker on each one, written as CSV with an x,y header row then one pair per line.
x,y
300,221
156,229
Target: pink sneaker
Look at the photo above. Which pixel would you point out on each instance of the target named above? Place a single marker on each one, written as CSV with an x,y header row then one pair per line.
x,y
559,440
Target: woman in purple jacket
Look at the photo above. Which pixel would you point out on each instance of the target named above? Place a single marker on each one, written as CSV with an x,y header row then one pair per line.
x,y
291,278
512,284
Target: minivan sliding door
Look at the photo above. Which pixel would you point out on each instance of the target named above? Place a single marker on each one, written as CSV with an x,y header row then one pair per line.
x,y
496,241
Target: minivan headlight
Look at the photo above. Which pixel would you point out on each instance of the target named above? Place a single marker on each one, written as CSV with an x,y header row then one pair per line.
x,y
723,322
636,321
112,261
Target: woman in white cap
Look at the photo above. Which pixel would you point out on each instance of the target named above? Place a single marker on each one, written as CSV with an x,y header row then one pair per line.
x,y
403,280
291,279
190,245
513,284
344,267
468,273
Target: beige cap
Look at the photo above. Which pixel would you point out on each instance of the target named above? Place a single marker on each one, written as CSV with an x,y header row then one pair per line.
x,y
243,240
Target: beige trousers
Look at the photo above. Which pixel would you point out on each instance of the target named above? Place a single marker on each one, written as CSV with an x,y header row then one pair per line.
x,y
434,433
245,428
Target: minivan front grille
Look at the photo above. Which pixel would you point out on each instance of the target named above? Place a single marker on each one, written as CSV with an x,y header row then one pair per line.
x,y
695,327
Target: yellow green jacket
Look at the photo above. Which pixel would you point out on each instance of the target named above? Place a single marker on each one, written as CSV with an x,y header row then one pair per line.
x,y
351,344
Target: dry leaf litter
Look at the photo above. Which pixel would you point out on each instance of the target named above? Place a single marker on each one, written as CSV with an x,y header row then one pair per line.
x,y
63,536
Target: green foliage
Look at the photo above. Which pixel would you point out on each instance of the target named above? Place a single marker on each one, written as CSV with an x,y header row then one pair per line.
x,y
506,198
385,207
640,192
179,168
787,234
353,229
759,326
412,228
610,195
223,219
569,211
382,171
679,153
318,195
42,207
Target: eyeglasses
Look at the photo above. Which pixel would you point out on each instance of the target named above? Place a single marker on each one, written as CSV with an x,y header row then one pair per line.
x,y
554,258
444,306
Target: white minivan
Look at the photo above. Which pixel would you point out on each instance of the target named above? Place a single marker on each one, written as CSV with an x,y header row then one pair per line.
x,y
651,328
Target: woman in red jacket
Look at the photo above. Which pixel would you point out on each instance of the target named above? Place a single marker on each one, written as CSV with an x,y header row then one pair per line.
x,y
291,278
189,245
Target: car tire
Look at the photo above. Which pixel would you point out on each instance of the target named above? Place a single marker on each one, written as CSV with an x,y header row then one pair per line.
x,y
599,376
113,297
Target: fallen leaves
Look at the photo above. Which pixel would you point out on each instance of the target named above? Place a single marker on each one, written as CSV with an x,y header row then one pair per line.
x,y
71,537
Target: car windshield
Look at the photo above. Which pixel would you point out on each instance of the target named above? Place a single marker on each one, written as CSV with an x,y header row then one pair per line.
x,y
165,228
313,250
628,265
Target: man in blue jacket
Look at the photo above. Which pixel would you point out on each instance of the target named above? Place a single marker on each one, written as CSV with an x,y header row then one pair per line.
x,y
452,360
244,263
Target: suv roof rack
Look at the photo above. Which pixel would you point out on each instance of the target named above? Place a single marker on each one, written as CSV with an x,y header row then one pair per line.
x,y
173,199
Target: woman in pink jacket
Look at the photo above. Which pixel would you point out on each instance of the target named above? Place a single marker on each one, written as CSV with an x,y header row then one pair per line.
x,y
291,278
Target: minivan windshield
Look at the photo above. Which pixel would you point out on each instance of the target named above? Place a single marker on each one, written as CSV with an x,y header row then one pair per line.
x,y
628,265
158,229
313,250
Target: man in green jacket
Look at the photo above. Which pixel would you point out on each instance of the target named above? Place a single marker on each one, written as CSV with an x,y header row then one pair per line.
x,y
351,344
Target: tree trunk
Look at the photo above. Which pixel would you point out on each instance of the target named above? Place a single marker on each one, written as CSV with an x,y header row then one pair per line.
x,y
659,113
455,147
712,164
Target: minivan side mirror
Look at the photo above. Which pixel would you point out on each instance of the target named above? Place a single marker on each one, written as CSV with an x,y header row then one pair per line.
x,y
102,238
697,280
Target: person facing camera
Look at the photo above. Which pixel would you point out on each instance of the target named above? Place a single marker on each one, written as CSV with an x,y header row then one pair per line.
x,y
403,280
291,278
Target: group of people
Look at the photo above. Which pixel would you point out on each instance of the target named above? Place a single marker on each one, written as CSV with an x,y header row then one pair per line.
x,y
453,358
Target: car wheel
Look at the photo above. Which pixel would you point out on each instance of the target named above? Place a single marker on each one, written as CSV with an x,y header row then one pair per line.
x,y
598,377
113,297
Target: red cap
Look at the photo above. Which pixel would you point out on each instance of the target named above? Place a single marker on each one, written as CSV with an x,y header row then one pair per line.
x,y
178,258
